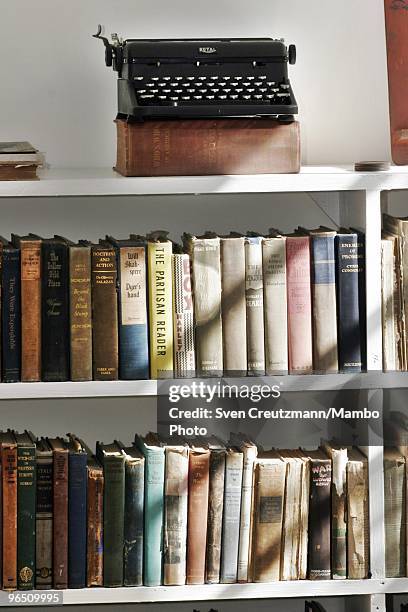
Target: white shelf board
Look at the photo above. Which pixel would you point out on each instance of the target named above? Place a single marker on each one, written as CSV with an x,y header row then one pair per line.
x,y
140,388
104,181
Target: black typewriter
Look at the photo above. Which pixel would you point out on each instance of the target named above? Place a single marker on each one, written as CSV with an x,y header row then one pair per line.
x,y
201,78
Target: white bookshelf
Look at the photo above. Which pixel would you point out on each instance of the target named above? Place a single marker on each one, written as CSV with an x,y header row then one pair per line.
x,y
351,199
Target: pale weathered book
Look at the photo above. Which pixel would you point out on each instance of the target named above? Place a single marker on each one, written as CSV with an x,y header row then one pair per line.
x,y
249,451
395,513
254,305
304,514
339,456
269,493
275,304
395,301
358,546
387,305
233,305
175,513
230,522
291,516
206,267
183,317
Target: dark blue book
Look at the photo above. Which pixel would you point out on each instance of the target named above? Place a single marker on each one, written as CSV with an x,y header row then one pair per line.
x,y
77,513
350,308
132,297
11,312
134,516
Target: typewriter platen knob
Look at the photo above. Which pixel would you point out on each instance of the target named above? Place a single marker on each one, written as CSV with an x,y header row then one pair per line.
x,y
292,54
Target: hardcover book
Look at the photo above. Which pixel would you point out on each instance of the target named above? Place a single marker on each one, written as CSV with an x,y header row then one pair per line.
x,y
358,553
183,316
26,504
291,516
304,514
133,330
231,515
60,512
233,305
55,310
30,255
159,250
95,486
44,516
395,513
77,513
8,448
206,266
275,304
319,516
339,487
153,451
11,312
113,461
254,305
391,337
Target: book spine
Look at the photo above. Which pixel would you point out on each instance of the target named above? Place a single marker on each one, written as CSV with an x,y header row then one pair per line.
x,y
9,473
275,305
44,516
95,528
207,306
319,521
77,520
30,311
245,514
160,309
11,316
215,512
357,520
339,515
362,298
198,481
55,324
133,331
304,519
80,313
133,534
175,516
388,307
254,306
269,491
299,305
324,304
394,515
153,521
113,521
347,282
232,506
26,489
104,314
233,306
60,520
183,317
291,521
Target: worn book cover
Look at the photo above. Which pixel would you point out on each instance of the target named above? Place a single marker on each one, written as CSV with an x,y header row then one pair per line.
x,y
198,483
8,448
233,305
10,312
44,516
320,516
268,506
304,513
291,516
104,312
183,316
254,305
94,505
60,512
77,512
395,513
80,311
113,461
26,500
389,325
232,507
30,255
206,267
339,487
358,551
132,307
153,451
275,304
175,512
159,250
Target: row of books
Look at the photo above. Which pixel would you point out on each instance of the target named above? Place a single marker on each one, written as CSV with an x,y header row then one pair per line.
x,y
145,307
174,513
394,283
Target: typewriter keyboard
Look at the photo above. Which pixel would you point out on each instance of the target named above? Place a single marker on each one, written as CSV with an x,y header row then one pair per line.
x,y
196,90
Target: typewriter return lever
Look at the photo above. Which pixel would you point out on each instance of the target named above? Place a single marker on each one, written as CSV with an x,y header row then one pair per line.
x,y
108,46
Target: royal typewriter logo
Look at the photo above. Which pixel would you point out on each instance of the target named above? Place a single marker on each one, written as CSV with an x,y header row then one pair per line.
x,y
207,50
399,4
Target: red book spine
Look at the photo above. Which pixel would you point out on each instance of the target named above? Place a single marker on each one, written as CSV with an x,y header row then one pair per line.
x,y
9,470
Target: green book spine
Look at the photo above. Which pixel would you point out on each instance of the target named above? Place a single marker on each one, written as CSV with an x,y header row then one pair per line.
x,y
114,508
26,500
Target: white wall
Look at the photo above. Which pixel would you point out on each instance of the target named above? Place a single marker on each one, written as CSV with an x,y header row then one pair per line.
x,y
56,91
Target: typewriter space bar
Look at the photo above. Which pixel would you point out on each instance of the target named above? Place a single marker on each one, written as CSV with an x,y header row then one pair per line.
x,y
206,103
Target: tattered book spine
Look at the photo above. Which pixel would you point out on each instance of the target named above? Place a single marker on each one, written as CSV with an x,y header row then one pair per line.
x,y
358,554
249,456
30,310
9,474
230,525
80,312
394,514
175,516
275,305
215,512
254,305
113,517
60,519
133,534
319,520
291,521
207,305
390,338
339,513
233,305
160,309
44,520
95,527
11,315
77,520
198,484
183,317
133,331
26,494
